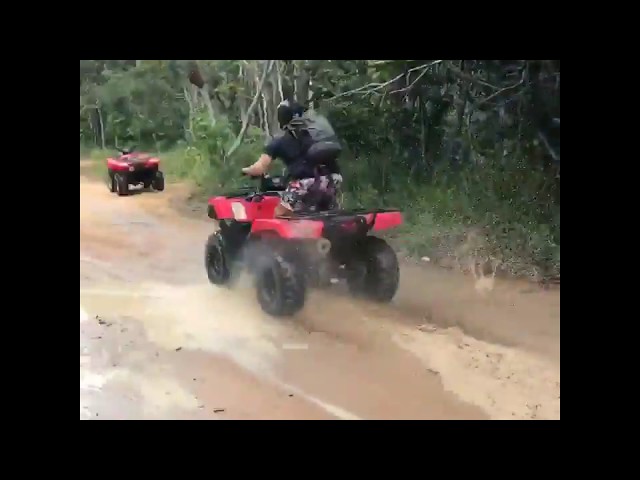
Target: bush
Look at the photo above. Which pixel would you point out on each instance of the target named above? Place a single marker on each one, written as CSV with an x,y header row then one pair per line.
x,y
204,162
505,211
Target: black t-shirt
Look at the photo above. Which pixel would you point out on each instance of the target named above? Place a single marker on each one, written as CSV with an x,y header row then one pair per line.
x,y
291,151
286,148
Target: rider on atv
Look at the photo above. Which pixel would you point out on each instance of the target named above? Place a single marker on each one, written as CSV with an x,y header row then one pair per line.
x,y
309,148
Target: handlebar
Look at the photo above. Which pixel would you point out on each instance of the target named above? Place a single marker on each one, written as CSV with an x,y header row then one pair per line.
x,y
268,183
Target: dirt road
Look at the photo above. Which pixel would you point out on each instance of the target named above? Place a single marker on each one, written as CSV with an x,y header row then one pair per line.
x,y
157,341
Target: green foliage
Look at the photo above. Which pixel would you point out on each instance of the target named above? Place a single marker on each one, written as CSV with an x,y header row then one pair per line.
x,y
204,161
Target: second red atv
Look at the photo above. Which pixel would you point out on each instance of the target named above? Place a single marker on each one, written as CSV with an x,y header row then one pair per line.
x,y
287,255
133,168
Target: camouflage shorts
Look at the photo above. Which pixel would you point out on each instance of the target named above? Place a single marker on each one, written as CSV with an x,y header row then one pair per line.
x,y
294,197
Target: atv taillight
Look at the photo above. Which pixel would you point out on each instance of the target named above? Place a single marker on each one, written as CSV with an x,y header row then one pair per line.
x,y
153,161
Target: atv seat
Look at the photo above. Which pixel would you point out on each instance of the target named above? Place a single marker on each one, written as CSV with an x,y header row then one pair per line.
x,y
319,202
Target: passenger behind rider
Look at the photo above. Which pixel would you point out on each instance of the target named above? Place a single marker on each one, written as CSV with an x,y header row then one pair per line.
x,y
313,172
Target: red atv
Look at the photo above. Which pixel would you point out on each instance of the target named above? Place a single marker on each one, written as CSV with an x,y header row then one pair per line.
x,y
134,168
288,254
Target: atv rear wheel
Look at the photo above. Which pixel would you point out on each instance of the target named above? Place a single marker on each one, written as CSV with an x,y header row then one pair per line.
x,y
122,184
281,287
111,182
374,273
215,260
158,182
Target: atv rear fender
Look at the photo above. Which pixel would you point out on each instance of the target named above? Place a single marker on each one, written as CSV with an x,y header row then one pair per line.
x,y
121,164
289,229
384,220
315,228
260,213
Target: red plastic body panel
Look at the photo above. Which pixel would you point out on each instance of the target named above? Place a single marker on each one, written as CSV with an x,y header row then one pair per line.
x,y
289,228
260,215
223,207
123,162
385,220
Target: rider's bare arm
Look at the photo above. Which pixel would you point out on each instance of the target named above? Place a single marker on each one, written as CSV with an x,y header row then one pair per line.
x,y
260,167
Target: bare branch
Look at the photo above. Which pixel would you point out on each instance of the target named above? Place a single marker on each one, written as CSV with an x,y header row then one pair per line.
x,y
376,63
412,83
254,102
502,90
374,87
471,78
547,145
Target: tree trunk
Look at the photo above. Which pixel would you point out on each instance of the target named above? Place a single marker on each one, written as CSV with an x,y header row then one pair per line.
x,y
254,102
273,98
242,102
188,99
101,127
288,81
302,83
310,95
464,96
279,74
195,98
269,100
204,91
261,121
423,132
263,114
263,108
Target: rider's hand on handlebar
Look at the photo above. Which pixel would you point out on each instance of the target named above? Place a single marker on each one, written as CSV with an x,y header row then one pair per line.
x,y
250,172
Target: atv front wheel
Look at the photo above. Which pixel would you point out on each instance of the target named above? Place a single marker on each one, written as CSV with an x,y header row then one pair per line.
x,y
122,184
215,260
280,286
374,273
158,182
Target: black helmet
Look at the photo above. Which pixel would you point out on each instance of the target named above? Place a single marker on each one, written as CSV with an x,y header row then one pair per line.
x,y
287,111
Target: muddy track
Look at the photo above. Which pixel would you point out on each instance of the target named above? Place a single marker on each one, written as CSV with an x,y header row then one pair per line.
x,y
157,341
